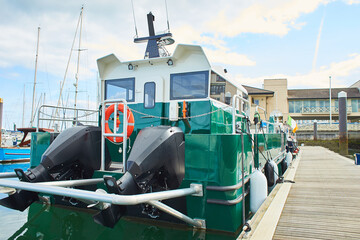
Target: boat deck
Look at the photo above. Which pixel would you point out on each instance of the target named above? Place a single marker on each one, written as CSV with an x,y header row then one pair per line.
x,y
323,203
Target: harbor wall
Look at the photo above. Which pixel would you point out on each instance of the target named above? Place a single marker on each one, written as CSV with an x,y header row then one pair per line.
x,y
326,131
325,135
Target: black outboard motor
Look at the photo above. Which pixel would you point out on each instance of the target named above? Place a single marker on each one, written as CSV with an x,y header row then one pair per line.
x,y
156,163
74,154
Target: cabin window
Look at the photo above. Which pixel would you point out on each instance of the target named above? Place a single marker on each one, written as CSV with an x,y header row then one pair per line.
x,y
120,89
149,95
189,85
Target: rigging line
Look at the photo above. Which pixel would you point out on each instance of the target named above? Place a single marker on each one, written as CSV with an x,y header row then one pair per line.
x,y
67,66
136,32
167,16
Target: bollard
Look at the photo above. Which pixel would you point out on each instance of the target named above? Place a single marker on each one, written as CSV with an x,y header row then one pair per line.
x,y
343,134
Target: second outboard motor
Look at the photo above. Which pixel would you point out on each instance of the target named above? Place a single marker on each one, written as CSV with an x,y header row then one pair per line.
x,y
74,154
156,163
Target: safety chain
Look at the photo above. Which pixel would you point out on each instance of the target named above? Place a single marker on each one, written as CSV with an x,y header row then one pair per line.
x,y
181,118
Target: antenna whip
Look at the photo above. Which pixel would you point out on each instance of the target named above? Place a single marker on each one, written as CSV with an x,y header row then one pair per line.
x,y
136,32
167,16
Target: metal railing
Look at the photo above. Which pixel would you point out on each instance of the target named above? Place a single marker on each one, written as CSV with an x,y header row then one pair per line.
x,y
234,113
317,110
116,102
75,118
152,198
327,127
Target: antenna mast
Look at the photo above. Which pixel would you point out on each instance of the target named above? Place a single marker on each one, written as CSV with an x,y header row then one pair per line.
x,y
36,61
155,42
136,32
23,114
167,16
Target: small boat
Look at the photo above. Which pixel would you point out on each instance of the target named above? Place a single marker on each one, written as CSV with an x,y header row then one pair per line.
x,y
14,155
173,145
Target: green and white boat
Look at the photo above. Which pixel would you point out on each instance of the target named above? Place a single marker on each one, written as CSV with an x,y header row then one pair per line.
x,y
177,149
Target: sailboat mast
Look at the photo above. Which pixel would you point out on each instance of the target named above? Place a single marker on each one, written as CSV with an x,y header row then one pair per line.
x,y
23,113
33,99
78,62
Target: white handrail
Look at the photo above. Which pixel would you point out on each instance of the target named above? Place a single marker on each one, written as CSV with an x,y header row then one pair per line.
x,y
258,107
63,119
234,114
123,134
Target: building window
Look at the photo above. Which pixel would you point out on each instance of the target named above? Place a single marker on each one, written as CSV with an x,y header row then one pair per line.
x,y
120,89
355,105
297,106
336,105
217,89
189,85
220,79
291,107
149,95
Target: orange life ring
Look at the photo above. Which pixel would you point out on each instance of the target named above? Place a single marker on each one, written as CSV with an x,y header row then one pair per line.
x,y
130,120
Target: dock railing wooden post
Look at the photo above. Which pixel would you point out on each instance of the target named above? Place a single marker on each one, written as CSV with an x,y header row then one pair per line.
x,y
343,134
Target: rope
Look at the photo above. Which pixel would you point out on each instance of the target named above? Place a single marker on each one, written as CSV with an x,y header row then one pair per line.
x,y
181,118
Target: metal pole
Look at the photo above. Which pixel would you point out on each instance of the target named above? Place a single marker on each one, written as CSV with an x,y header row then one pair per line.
x,y
8,175
242,177
175,213
125,135
330,97
23,114
102,197
102,136
78,60
36,61
343,134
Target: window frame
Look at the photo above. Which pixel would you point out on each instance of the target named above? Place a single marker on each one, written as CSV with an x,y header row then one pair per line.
x,y
107,81
154,94
206,72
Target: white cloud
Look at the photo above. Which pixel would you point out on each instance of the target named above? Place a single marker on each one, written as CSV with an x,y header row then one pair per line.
x,y
339,71
228,58
271,17
216,49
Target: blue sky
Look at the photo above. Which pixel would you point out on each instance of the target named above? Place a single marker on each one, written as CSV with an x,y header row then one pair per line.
x,y
254,40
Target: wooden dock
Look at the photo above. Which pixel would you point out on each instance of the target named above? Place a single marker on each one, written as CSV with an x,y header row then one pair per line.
x,y
323,203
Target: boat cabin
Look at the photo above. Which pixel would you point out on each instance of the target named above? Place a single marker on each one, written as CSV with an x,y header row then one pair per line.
x,y
156,89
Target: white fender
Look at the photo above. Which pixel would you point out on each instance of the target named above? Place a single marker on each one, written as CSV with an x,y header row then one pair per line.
x,y
258,190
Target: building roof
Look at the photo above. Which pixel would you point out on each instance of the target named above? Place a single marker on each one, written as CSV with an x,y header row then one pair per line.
x,y
322,93
356,84
257,91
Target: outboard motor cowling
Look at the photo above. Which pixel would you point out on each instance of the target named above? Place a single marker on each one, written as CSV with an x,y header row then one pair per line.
x,y
74,154
156,163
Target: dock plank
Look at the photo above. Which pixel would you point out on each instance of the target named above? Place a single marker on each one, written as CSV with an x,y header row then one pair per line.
x,y
324,201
